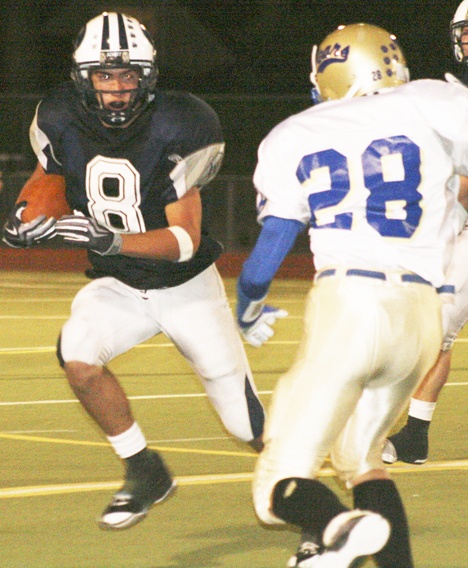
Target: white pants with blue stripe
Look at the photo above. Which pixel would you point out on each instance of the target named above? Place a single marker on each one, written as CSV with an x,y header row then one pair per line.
x,y
108,318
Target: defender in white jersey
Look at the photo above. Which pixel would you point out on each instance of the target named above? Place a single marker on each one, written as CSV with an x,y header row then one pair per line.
x,y
372,171
411,443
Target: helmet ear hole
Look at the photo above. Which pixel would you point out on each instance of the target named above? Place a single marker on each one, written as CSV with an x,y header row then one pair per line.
x,y
114,40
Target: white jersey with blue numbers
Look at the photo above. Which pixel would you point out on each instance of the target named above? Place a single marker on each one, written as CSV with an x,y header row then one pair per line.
x,y
375,178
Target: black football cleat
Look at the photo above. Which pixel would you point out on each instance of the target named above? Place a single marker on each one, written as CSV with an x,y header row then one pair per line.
x,y
405,446
131,504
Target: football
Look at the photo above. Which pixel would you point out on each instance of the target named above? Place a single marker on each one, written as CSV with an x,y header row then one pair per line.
x,y
45,195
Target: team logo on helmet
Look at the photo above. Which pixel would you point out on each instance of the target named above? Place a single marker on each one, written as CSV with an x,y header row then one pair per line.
x,y
331,54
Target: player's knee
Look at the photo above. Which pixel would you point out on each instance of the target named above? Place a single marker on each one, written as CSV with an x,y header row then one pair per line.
x,y
80,341
237,424
347,465
237,405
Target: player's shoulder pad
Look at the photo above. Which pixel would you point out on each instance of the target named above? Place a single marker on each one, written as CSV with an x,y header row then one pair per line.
x,y
186,105
431,86
186,119
56,108
455,81
283,131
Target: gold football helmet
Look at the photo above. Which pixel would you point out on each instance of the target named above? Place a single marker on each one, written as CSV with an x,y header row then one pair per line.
x,y
356,60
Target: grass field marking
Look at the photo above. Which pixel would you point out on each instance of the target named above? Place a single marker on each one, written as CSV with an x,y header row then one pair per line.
x,y
36,300
43,490
196,480
139,397
16,286
153,397
48,440
429,467
44,439
34,318
203,452
53,348
433,466
26,350
29,432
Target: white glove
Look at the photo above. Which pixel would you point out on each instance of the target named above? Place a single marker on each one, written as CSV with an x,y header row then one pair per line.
x,y
259,330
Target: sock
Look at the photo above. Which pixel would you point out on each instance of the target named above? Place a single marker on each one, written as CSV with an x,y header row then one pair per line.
x,y
129,442
139,462
417,426
382,496
421,409
306,503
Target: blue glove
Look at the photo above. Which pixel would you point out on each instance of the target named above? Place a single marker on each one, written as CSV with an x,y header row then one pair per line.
x,y
255,319
87,232
17,234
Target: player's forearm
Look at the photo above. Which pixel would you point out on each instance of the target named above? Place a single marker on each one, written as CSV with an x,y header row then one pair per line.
x,y
162,244
276,239
463,192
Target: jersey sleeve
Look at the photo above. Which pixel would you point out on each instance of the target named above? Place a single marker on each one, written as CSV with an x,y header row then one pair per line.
x,y
197,169
279,193
445,107
44,135
196,149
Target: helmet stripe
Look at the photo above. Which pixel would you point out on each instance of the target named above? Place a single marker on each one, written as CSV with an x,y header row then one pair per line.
x,y
122,34
105,33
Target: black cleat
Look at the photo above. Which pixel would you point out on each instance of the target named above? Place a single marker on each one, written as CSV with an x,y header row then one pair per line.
x,y
131,504
406,447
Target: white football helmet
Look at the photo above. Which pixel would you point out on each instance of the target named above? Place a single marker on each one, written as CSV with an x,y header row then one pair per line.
x,y
356,60
112,41
457,25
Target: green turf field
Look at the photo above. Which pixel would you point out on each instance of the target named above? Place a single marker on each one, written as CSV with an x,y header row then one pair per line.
x,y
57,471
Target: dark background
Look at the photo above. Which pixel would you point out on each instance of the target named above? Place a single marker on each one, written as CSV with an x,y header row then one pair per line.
x,y
250,59
212,46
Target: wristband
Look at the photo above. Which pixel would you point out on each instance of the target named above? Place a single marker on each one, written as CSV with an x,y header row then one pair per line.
x,y
248,310
116,245
184,241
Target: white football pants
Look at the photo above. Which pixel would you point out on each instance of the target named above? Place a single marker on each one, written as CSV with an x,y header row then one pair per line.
x,y
366,344
108,318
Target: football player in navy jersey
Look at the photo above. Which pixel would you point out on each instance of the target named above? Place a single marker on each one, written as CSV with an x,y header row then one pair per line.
x,y
411,443
134,159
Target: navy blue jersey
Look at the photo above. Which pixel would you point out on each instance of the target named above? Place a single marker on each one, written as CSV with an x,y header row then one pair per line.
x,y
464,75
125,177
